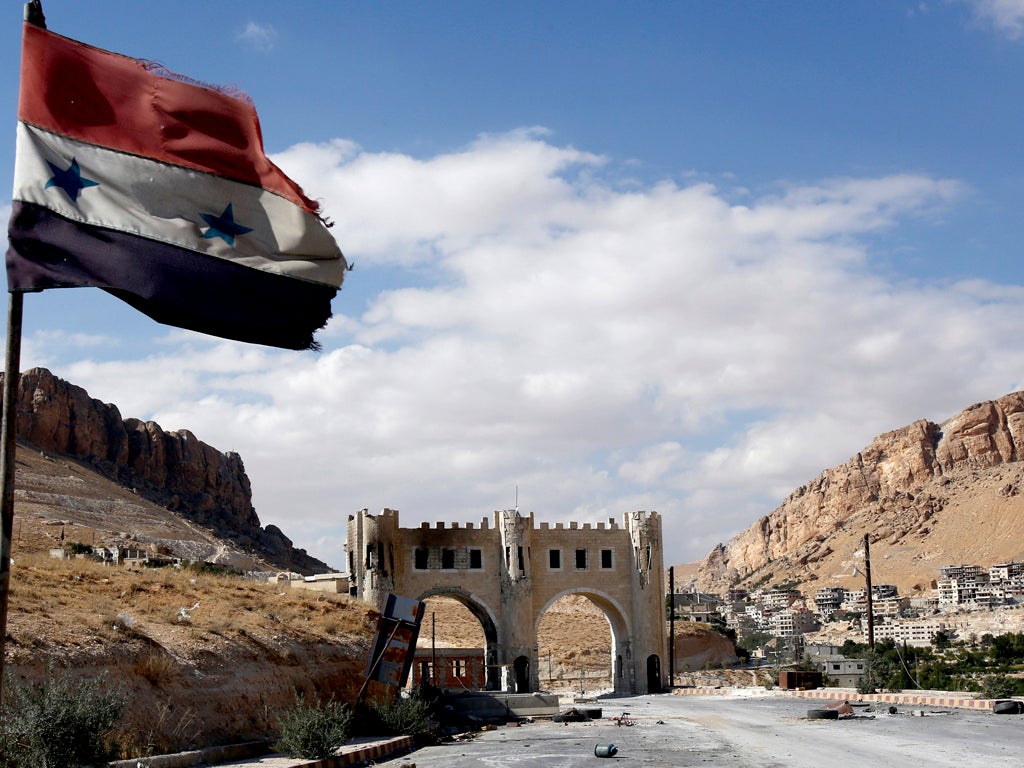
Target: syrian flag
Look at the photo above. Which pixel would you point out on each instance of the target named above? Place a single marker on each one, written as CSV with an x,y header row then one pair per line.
x,y
156,189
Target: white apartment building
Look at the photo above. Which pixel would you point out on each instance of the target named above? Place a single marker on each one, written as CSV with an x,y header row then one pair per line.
x,y
829,600
792,621
964,573
955,592
1003,572
776,598
916,633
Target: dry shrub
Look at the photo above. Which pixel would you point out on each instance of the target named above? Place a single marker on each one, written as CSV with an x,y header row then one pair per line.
x,y
157,726
158,667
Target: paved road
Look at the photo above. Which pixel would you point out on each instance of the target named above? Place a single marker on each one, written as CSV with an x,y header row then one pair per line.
x,y
733,732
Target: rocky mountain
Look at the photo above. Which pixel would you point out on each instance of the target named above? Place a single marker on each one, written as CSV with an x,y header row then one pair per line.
x,y
208,490
927,494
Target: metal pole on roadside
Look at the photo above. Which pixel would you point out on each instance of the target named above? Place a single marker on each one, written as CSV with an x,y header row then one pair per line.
x,y
672,627
867,578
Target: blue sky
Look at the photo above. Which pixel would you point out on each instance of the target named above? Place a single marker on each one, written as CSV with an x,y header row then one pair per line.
x,y
608,255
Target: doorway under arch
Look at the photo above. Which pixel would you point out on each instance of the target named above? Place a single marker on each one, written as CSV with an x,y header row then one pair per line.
x,y
450,606
653,674
521,668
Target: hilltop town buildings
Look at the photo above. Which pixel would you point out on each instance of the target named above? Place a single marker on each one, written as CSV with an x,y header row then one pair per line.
x,y
785,612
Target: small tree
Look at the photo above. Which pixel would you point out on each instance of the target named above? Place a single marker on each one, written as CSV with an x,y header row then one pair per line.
x,y
314,731
877,671
59,723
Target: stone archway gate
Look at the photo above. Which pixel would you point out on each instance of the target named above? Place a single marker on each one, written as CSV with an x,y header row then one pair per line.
x,y
509,574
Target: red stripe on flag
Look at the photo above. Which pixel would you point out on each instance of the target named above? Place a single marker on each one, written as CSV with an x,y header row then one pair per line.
x,y
111,100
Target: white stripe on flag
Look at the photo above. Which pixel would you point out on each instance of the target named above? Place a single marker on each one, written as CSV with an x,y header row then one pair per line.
x,y
164,202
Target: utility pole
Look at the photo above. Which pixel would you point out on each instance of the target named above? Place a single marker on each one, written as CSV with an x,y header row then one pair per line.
x,y
867,578
672,626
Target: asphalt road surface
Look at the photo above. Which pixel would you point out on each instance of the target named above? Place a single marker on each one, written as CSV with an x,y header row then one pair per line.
x,y
733,732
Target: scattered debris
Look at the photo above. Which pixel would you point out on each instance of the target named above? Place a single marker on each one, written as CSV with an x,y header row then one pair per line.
x,y
822,714
572,715
623,719
1008,707
605,750
844,709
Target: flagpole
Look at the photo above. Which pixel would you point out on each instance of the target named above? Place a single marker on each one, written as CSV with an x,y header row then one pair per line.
x,y
8,450
33,14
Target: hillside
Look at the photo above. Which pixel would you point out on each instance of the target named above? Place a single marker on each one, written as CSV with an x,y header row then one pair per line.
x,y
204,659
151,472
59,498
927,494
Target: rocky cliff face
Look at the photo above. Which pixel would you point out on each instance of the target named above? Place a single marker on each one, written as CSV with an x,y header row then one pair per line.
x,y
173,469
926,494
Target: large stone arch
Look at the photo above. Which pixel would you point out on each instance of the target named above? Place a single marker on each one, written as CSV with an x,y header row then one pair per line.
x,y
618,622
508,576
488,621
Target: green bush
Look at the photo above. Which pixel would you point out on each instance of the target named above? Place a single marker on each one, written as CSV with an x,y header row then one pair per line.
x,y
59,723
415,715
1000,687
406,717
314,731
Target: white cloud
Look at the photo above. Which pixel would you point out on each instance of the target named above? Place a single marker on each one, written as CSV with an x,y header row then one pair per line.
x,y
262,37
602,349
1006,16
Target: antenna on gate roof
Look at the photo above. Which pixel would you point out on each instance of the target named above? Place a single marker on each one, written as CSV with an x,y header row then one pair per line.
x,y
517,497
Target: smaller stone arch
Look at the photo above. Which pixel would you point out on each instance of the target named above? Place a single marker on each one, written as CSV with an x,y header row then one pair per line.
x,y
482,613
618,623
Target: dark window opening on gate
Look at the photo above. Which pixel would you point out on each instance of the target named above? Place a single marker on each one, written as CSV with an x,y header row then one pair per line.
x,y
606,558
519,558
421,557
447,559
476,558
581,559
555,559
